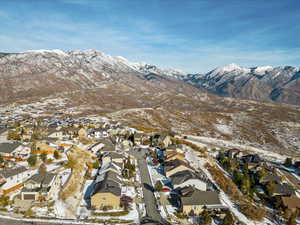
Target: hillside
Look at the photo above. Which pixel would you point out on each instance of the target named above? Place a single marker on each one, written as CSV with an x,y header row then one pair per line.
x,y
148,98
265,84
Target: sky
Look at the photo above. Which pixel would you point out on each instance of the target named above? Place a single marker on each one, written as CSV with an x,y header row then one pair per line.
x,y
192,35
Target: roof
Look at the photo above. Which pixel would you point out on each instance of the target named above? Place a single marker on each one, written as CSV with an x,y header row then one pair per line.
x,y
9,172
44,179
182,176
169,165
9,147
283,189
270,178
196,197
107,186
291,202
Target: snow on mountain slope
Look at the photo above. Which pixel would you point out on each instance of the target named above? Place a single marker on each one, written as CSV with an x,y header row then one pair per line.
x,y
266,83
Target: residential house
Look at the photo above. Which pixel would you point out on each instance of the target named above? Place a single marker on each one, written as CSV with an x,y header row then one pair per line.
x,y
6,149
113,157
56,134
187,178
234,153
106,193
291,202
82,132
174,155
283,190
251,158
41,186
13,178
193,200
174,166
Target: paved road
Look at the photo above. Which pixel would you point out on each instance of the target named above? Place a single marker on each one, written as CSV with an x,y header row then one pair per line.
x,y
153,216
19,222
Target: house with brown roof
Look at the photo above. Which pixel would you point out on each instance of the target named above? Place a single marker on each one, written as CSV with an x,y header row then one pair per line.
x,y
291,202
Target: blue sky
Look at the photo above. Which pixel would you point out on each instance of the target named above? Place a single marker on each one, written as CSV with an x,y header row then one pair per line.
x,y
192,35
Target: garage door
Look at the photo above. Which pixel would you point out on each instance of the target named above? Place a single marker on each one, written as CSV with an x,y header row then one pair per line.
x,y
29,197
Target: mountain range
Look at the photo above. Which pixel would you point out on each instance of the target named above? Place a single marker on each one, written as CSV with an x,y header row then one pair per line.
x,y
151,98
268,84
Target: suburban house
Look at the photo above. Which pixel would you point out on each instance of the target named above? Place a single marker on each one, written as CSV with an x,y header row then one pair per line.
x,y
113,157
291,202
106,193
187,178
82,132
251,158
110,166
173,155
283,190
13,178
174,166
7,149
57,134
234,153
41,186
193,200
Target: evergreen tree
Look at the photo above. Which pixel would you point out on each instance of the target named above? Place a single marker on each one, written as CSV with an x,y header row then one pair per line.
x,y
288,162
205,218
228,219
43,156
237,177
56,155
32,160
246,184
292,220
158,186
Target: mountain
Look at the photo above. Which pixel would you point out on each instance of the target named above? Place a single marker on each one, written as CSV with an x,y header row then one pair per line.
x,y
268,84
147,97
42,72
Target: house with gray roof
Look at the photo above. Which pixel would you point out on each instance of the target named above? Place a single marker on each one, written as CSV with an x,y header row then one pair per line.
x,y
106,192
13,178
195,200
187,178
41,186
6,149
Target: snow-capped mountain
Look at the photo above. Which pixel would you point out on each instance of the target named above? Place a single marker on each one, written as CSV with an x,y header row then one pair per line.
x,y
153,98
41,72
275,84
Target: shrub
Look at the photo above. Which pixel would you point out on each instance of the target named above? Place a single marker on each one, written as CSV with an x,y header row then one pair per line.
x,y
56,155
32,160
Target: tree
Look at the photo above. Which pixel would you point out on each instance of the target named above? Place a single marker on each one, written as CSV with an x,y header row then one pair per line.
x,y
292,220
32,160
96,164
56,155
205,218
270,188
43,156
125,202
237,177
246,184
288,162
42,168
13,135
158,186
228,219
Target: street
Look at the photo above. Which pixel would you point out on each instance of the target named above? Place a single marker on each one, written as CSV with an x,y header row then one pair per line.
x,y
153,216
